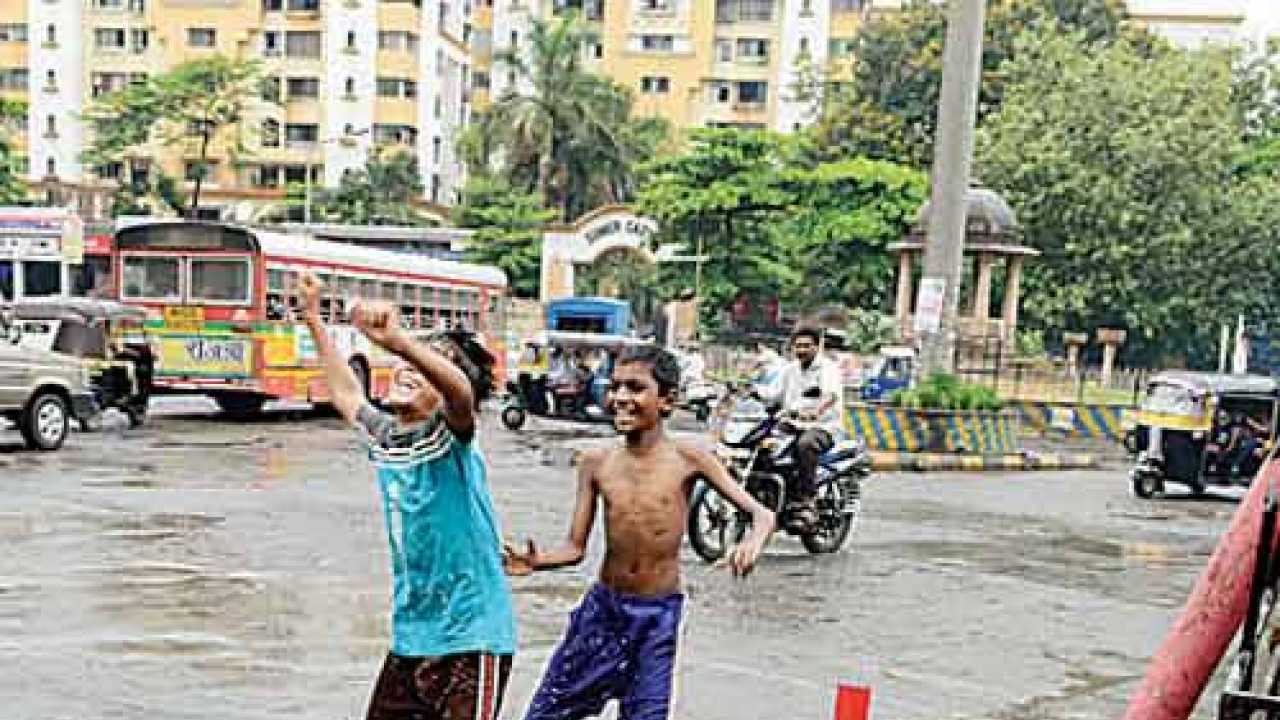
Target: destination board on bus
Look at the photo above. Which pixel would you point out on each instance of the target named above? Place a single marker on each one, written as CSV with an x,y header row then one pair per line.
x,y
184,318
206,356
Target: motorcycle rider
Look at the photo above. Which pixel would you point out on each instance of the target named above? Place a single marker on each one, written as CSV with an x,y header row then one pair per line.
x,y
809,387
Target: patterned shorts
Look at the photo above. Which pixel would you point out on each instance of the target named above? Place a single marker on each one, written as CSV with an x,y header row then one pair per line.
x,y
453,687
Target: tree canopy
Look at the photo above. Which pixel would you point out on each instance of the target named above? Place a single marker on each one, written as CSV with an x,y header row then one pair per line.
x,y
508,230
190,106
11,188
1123,168
572,139
889,107
380,193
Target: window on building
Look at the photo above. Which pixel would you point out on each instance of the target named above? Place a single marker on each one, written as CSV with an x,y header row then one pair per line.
x,y
806,7
110,171
349,87
270,133
480,80
13,32
137,78
137,5
139,172
109,38
655,85
303,87
272,5
721,92
844,6
753,49
301,132
839,47
436,146
435,188
390,134
724,50
139,40
302,44
51,126
303,5
51,34
271,89
103,83
755,10
271,43
804,46
753,92
515,39
193,170
656,5
14,78
51,167
202,37
351,39
410,88
597,50
108,4
657,43
265,176
51,80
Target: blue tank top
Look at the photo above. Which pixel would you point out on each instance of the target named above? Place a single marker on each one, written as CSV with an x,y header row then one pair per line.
x,y
451,595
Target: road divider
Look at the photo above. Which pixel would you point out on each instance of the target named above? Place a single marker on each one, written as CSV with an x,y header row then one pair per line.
x,y
1011,462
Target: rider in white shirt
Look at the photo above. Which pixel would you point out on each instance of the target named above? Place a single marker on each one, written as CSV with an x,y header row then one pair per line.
x,y
810,387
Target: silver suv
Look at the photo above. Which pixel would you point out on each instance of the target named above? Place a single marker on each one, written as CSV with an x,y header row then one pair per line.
x,y
41,391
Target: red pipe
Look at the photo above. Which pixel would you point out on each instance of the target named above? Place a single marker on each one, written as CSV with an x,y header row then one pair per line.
x,y
1192,649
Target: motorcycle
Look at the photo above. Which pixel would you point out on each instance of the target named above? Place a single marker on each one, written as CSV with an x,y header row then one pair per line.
x,y
757,445
700,398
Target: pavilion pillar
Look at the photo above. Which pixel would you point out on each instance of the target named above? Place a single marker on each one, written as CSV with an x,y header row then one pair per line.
x,y
1012,289
902,312
982,292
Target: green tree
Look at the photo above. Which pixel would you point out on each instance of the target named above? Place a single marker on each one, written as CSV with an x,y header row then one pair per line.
x,y
191,107
773,224
890,108
11,188
508,230
572,140
380,193
1121,168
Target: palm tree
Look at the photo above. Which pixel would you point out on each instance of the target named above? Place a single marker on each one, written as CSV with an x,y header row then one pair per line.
x,y
572,139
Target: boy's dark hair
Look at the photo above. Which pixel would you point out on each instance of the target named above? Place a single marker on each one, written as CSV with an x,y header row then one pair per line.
x,y
665,367
472,359
808,331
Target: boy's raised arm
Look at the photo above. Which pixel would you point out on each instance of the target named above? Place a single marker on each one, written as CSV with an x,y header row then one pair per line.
x,y
345,391
575,545
741,559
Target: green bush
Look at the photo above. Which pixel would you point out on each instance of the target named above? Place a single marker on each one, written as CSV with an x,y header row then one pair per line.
x,y
946,392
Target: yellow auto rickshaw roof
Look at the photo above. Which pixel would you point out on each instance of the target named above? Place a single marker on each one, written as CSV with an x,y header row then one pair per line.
x,y
1218,383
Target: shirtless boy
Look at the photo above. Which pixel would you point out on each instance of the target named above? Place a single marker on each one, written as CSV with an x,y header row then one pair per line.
x,y
621,641
452,625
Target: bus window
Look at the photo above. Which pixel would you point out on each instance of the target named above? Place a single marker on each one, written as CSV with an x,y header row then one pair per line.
x,y
6,280
428,303
41,278
152,278
277,307
409,306
444,312
93,277
389,292
368,290
220,280
328,295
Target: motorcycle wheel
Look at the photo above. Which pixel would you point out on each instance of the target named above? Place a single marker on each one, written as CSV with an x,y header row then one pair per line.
x,y
714,526
513,417
834,524
702,412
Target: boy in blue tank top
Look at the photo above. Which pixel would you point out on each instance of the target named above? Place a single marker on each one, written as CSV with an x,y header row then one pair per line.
x,y
452,624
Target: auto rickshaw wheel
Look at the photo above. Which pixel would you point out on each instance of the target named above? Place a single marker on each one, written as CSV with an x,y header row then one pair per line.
x,y
513,417
1147,485
137,415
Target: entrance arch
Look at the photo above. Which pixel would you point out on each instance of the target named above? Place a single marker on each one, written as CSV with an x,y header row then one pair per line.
x,y
603,232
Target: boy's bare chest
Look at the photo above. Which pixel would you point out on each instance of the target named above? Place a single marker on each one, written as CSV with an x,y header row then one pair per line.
x,y
647,485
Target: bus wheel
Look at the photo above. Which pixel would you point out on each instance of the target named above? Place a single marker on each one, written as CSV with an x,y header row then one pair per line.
x,y
240,405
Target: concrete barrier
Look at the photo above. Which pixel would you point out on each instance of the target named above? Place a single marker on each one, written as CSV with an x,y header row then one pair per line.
x,y
907,430
1085,420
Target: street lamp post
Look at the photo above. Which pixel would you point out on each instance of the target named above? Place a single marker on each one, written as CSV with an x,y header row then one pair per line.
x,y
306,198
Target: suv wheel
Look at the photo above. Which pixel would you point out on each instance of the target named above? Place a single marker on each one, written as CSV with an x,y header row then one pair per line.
x,y
46,422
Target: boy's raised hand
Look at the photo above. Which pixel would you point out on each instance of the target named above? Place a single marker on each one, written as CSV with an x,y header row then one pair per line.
x,y
379,321
310,289
519,564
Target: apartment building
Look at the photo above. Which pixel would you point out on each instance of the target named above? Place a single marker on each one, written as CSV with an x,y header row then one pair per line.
x,y
341,77
718,63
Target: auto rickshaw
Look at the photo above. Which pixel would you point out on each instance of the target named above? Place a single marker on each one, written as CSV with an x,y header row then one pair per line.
x,y
1202,429
107,337
578,366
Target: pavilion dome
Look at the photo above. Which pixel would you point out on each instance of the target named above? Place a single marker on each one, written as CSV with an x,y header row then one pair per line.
x,y
987,213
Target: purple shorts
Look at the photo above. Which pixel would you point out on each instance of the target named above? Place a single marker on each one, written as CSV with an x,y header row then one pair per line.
x,y
618,647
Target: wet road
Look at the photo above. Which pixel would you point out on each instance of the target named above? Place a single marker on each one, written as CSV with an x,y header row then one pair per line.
x,y
198,568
